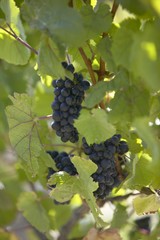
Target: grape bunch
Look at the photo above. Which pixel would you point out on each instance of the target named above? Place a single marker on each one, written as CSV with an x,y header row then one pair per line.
x,y
67,104
103,155
63,163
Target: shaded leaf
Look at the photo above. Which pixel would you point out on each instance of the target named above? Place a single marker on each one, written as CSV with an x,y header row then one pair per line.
x,y
132,102
96,94
33,211
142,173
50,58
56,18
120,216
96,22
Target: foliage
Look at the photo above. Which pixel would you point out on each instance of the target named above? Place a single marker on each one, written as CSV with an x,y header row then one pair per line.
x,y
115,46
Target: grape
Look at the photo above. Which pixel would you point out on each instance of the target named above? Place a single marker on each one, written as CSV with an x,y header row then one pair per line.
x,y
103,154
66,107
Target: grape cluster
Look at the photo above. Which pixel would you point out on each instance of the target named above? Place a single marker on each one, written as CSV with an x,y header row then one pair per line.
x,y
67,104
103,154
63,163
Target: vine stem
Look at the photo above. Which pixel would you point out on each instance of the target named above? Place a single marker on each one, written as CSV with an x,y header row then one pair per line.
x,y
88,64
13,34
114,9
45,117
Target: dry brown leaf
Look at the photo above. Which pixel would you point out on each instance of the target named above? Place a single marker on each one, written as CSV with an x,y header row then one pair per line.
x,y
108,234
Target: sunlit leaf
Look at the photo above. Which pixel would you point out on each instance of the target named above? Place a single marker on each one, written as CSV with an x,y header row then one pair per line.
x,y
93,125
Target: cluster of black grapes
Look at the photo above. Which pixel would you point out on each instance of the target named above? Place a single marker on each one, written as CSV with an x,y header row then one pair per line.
x,y
67,104
63,163
104,154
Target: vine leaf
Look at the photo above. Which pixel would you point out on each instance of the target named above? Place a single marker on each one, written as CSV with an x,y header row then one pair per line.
x,y
93,125
23,132
67,186
33,211
146,203
96,94
12,51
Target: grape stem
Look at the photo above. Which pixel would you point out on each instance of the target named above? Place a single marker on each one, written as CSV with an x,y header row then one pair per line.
x,y
13,34
45,117
114,9
88,64
61,145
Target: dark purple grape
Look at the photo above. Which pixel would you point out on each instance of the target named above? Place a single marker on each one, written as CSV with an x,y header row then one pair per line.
x,y
56,125
70,68
65,92
57,116
57,91
55,105
60,83
64,107
68,83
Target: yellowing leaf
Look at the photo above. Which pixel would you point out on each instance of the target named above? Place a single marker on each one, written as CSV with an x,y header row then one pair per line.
x,y
146,203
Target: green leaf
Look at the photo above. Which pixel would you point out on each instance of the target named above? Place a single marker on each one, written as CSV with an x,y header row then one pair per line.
x,y
142,173
146,203
85,170
33,211
50,58
147,135
137,7
93,125
122,42
96,94
23,132
152,145
104,50
67,186
132,102
120,81
134,143
96,22
56,18
137,51
13,51
81,25
120,217
145,56
12,16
